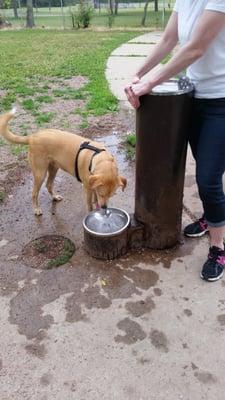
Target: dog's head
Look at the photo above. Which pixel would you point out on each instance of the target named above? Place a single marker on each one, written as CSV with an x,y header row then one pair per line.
x,y
105,186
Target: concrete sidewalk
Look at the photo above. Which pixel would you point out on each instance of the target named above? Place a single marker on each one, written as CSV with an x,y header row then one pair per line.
x,y
124,61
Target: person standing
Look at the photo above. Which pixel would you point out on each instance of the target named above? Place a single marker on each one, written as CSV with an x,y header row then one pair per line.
x,y
199,26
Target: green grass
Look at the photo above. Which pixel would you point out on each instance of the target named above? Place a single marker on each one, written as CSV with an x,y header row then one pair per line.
x,y
2,142
69,93
28,104
29,56
63,258
44,118
18,149
84,124
131,139
40,246
23,90
44,99
2,196
130,146
7,101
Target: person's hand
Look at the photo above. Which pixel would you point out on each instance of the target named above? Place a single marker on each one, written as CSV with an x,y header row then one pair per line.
x,y
135,79
135,90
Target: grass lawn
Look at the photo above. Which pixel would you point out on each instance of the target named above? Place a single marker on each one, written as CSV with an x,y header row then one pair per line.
x,y
27,56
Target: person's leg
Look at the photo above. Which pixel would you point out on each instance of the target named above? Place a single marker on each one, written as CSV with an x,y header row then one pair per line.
x,y
216,236
210,163
210,160
199,227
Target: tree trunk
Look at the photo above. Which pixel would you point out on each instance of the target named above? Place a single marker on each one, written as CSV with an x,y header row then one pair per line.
x,y
145,13
111,6
30,14
15,9
116,6
96,4
35,5
156,5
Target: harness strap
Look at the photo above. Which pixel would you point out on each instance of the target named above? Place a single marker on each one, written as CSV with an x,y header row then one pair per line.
x,y
87,146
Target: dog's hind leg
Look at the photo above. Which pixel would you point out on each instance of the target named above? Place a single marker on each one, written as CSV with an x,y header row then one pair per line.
x,y
38,180
39,169
52,171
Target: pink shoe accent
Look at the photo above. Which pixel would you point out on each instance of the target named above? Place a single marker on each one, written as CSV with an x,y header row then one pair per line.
x,y
221,260
203,225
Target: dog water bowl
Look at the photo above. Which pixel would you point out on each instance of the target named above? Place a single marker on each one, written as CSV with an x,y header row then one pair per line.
x,y
106,222
105,232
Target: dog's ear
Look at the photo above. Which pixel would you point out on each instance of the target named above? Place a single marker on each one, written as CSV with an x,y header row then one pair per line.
x,y
122,182
94,181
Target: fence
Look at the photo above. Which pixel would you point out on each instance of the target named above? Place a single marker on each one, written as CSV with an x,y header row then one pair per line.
x,y
130,15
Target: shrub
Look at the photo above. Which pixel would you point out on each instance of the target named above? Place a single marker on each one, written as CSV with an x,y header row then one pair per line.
x,y
82,17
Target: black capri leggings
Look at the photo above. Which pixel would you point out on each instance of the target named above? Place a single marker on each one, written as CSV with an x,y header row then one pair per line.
x,y
207,141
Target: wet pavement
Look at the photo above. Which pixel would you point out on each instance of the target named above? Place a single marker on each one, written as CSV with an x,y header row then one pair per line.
x,y
142,327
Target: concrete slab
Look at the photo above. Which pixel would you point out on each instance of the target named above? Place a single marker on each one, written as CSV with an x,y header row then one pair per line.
x,y
151,37
122,67
130,49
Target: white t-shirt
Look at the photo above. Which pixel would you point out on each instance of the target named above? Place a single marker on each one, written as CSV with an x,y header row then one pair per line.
x,y
208,72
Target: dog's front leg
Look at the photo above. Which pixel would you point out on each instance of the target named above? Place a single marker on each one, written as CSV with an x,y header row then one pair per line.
x,y
89,199
94,199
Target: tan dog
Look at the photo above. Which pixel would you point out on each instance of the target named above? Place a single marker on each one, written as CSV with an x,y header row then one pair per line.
x,y
51,149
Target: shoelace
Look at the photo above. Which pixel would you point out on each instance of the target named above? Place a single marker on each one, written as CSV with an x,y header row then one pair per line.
x,y
202,223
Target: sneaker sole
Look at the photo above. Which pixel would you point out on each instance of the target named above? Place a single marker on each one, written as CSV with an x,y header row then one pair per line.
x,y
212,279
194,235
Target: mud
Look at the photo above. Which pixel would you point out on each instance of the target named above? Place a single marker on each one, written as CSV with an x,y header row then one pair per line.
x,y
47,252
159,340
221,319
187,312
139,308
205,377
87,286
133,332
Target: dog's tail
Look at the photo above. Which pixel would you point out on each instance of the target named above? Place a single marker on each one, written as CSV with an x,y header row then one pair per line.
x,y
6,133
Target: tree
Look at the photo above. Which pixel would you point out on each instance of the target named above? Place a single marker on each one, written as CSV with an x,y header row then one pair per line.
x,y
116,6
15,5
145,13
30,14
113,7
156,5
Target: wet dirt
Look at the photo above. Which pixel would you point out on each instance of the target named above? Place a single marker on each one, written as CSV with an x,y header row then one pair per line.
x,y
81,278
133,332
47,252
159,340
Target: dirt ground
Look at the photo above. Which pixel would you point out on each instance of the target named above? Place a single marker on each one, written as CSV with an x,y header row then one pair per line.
x,y
140,327
13,159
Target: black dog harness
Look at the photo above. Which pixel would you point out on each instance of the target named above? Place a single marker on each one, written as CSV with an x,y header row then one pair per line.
x,y
86,145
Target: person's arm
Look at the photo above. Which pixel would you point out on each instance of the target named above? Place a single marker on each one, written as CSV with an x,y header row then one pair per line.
x,y
163,48
208,27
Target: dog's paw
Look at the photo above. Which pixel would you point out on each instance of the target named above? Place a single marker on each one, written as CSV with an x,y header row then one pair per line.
x,y
57,197
38,211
